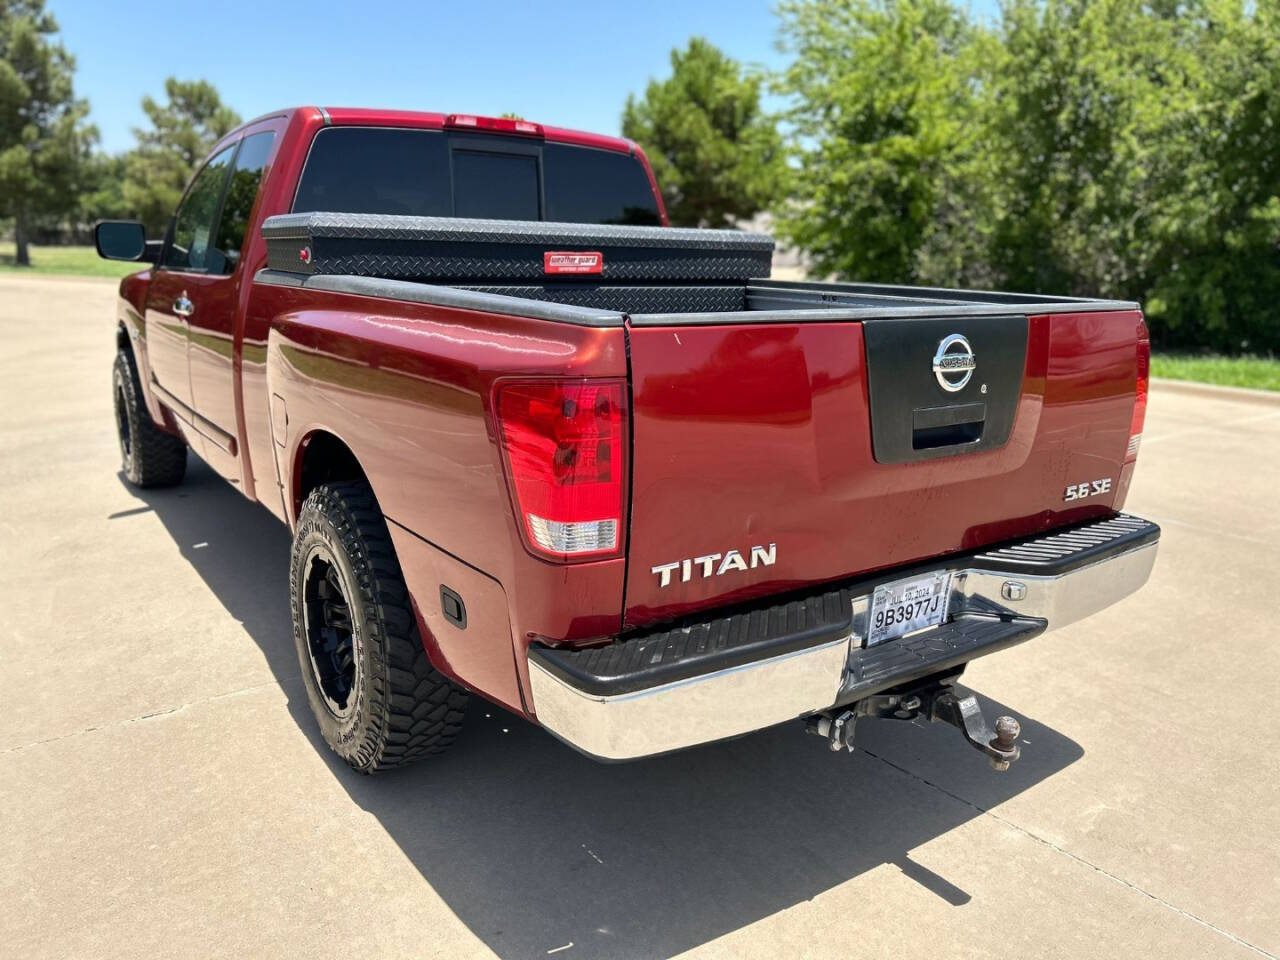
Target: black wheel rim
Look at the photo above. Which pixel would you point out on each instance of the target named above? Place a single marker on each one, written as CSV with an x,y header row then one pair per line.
x,y
330,639
122,423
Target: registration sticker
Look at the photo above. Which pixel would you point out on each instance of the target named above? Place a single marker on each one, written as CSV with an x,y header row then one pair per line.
x,y
906,606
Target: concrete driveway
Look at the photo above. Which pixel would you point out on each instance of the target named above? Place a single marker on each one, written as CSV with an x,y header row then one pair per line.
x,y
165,795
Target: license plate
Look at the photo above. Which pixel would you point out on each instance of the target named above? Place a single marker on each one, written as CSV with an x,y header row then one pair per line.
x,y
906,606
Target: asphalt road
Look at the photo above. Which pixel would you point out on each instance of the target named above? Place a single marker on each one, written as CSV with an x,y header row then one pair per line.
x,y
164,793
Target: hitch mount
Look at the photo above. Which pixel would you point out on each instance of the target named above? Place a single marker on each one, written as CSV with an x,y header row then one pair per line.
x,y
939,702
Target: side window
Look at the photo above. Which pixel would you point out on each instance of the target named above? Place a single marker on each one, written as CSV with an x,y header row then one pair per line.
x,y
246,175
191,247
376,170
585,185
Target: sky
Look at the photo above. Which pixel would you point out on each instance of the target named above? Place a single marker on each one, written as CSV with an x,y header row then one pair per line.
x,y
563,62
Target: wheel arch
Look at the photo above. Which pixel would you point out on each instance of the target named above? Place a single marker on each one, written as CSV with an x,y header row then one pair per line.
x,y
322,456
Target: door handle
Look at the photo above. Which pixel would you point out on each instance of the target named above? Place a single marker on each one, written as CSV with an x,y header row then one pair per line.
x,y
182,306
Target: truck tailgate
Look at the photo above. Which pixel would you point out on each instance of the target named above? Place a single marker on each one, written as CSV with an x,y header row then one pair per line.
x,y
778,455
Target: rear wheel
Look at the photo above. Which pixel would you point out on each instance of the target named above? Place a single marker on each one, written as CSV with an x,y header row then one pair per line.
x,y
374,693
149,456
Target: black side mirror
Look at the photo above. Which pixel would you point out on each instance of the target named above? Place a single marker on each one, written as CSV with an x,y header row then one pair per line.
x,y
124,240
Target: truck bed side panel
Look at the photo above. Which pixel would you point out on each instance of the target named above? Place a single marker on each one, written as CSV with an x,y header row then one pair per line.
x,y
407,388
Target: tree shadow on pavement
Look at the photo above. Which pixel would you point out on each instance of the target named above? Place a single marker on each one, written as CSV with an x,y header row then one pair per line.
x,y
534,846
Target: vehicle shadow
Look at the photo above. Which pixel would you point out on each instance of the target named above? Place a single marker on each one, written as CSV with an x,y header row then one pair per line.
x,y
534,846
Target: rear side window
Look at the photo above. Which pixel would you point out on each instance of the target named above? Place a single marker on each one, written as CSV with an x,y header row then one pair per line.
x,y
430,173
596,186
376,170
191,247
242,190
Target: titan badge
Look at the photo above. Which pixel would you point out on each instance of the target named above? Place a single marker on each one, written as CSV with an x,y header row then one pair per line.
x,y
715,564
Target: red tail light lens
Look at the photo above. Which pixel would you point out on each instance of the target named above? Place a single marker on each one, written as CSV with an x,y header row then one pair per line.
x,y
1143,387
565,446
496,124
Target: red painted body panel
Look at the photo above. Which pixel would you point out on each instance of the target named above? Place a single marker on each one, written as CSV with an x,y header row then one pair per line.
x,y
407,387
758,434
480,656
131,311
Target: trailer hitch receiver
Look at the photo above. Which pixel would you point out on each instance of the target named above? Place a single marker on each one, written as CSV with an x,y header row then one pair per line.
x,y
940,703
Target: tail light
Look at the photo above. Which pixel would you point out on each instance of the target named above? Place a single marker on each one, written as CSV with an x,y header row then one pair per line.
x,y
466,121
564,443
1140,394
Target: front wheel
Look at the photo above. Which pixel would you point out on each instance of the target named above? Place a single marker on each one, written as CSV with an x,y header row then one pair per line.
x,y
378,701
149,456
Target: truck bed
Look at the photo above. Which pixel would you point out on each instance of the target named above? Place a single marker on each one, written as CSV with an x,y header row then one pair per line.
x,y
653,276
754,301
813,424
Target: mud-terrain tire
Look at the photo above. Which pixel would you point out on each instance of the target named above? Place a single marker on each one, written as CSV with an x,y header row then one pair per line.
x,y
377,698
149,456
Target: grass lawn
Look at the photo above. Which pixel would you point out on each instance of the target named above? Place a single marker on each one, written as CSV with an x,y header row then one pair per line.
x,y
80,261
1261,373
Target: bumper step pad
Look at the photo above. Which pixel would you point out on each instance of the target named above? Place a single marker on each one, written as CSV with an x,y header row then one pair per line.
x,y
1065,550
652,659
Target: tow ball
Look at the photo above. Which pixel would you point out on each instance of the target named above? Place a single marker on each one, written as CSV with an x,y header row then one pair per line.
x,y
940,704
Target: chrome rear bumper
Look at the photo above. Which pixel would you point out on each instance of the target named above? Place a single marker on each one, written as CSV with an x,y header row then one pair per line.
x,y
998,598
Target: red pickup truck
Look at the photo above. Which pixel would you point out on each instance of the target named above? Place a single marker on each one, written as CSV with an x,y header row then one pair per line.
x,y
535,444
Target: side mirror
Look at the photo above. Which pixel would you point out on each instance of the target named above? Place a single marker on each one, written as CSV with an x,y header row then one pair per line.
x,y
124,240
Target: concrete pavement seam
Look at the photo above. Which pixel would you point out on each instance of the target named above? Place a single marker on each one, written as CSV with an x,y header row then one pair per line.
x,y
164,712
1076,857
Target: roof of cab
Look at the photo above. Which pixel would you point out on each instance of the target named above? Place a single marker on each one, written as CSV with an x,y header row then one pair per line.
x,y
367,116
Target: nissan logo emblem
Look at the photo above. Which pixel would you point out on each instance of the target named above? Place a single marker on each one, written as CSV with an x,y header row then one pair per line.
x,y
954,363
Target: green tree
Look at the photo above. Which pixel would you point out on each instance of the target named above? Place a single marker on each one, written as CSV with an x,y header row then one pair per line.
x,y
181,133
886,135
102,190
44,138
1213,277
717,156
1084,116
1138,158
1121,148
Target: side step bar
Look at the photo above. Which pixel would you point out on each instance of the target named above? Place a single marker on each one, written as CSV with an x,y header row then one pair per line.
x,y
721,677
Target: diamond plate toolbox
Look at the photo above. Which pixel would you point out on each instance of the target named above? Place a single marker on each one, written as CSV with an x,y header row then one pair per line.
x,y
463,251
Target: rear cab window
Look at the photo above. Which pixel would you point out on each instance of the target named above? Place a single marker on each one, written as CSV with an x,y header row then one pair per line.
x,y
503,186
434,173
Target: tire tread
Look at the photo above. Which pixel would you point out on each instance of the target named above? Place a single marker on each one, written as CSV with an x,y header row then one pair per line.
x,y
414,710
159,458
